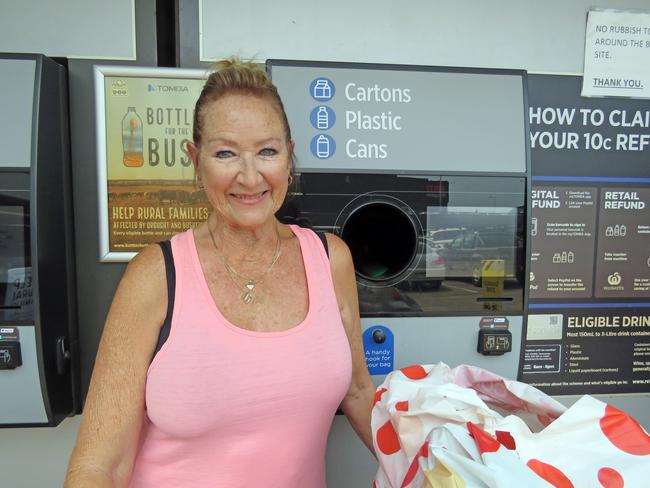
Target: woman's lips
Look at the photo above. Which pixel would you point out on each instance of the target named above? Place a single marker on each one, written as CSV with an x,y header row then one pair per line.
x,y
249,199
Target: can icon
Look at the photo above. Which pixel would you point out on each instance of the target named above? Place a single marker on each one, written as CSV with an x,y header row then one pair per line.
x,y
323,146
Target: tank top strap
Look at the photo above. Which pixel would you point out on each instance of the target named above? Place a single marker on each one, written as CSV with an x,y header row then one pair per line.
x,y
181,247
182,251
317,264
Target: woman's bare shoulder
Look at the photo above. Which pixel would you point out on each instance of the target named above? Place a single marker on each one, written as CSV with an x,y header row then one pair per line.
x,y
143,287
338,250
150,260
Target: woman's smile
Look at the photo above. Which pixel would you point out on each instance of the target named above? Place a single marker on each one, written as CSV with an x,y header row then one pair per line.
x,y
249,198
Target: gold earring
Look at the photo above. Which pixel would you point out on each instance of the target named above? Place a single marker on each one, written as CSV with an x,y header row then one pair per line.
x,y
290,179
199,183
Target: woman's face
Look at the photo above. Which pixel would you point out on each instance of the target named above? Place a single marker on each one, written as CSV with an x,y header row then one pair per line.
x,y
244,159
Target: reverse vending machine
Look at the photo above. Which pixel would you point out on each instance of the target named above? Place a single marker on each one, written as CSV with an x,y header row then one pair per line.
x,y
38,383
423,172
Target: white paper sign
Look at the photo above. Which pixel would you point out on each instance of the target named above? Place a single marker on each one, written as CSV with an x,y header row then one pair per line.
x,y
617,54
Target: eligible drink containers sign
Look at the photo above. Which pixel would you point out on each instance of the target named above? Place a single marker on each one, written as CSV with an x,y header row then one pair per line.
x,y
145,175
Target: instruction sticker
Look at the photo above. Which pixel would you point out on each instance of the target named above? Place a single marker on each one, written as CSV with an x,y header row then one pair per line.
x,y
379,346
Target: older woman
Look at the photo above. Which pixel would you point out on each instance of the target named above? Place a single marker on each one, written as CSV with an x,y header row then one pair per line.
x,y
233,379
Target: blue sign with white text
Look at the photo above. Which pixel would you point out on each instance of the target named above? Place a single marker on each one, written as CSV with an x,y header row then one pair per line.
x,y
379,347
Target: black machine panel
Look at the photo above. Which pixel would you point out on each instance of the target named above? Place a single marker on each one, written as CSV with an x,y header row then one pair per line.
x,y
38,329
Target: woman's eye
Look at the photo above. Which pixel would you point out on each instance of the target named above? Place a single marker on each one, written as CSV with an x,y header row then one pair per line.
x,y
224,154
268,151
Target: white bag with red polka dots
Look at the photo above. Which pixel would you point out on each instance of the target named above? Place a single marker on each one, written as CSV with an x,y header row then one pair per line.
x,y
436,427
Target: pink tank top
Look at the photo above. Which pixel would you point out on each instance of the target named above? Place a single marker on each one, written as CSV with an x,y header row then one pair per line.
x,y
231,408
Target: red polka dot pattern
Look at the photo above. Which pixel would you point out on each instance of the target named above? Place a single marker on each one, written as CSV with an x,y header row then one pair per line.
x,y
484,441
610,478
378,395
387,439
506,439
402,406
413,468
415,372
624,432
550,473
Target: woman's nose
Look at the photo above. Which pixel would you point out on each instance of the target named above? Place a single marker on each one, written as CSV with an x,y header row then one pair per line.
x,y
248,174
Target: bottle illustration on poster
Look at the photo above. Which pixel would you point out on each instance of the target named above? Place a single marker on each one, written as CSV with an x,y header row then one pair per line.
x,y
132,142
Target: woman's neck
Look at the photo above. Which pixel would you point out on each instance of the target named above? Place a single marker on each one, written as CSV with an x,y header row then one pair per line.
x,y
241,245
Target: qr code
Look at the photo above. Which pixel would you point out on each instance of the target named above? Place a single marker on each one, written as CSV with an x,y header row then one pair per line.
x,y
544,327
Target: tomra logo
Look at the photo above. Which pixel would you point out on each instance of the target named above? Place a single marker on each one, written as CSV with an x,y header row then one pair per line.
x,y
168,88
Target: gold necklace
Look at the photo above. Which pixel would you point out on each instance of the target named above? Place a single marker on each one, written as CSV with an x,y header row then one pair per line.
x,y
248,294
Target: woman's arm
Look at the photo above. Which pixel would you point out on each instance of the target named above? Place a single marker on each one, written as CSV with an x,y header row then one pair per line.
x,y
357,404
114,409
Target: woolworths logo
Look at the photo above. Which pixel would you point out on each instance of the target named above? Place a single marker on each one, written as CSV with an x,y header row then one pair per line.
x,y
167,88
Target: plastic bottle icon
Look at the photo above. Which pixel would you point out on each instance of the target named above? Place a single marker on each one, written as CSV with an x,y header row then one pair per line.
x,y
322,89
322,147
617,231
132,142
322,118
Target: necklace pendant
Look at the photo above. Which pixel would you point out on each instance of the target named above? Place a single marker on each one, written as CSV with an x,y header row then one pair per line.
x,y
247,297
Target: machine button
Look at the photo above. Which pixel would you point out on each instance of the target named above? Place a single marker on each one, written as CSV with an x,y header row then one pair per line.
x,y
10,356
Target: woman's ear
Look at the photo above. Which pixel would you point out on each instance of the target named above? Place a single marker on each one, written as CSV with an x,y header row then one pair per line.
x,y
292,155
193,151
